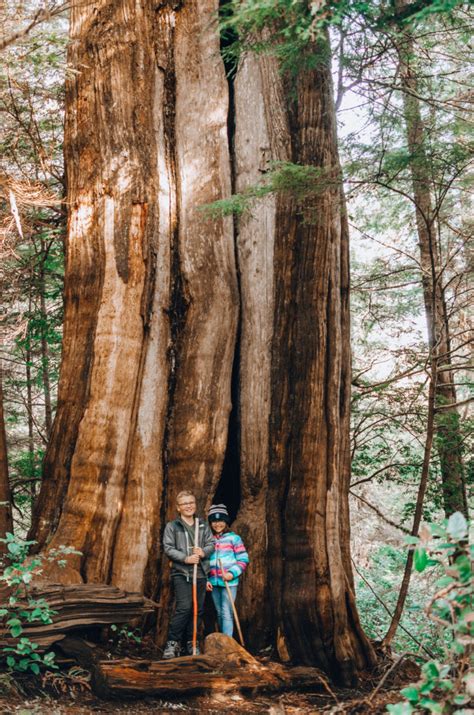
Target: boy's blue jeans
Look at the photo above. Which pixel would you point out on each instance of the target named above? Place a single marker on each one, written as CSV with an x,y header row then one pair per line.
x,y
225,617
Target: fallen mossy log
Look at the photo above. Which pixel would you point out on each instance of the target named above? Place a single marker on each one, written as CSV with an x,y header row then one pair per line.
x,y
225,667
80,606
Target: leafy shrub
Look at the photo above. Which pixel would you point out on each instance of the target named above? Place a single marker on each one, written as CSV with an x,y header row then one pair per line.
x,y
446,686
377,596
22,608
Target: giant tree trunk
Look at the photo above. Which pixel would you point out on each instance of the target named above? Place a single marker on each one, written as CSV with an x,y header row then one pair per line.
x,y
152,306
449,439
295,376
151,302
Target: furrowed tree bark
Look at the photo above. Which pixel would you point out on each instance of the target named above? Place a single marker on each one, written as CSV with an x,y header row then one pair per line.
x,y
151,298
294,402
260,137
449,441
207,292
6,518
111,260
151,313
205,295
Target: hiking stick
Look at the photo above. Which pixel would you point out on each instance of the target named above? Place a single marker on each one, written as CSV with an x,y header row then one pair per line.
x,y
234,610
195,601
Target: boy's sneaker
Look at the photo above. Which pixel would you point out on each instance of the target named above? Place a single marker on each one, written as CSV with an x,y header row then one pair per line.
x,y
172,650
189,648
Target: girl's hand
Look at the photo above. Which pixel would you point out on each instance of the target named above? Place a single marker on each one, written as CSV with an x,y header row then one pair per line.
x,y
208,586
228,576
197,550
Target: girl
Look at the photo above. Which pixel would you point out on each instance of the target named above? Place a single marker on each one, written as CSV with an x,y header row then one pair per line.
x,y
229,551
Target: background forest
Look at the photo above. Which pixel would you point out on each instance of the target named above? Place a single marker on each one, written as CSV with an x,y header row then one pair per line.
x,y
403,94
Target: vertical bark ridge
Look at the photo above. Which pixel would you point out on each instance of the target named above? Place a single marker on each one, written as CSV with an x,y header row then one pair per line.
x,y
84,262
113,192
198,425
178,303
228,490
259,137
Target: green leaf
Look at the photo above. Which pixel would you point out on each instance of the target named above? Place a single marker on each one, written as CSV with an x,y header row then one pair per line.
x,y
420,559
13,548
431,705
34,667
431,669
457,526
461,699
400,709
446,684
410,693
444,581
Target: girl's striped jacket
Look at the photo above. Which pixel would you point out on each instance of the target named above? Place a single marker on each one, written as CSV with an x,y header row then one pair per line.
x,y
230,549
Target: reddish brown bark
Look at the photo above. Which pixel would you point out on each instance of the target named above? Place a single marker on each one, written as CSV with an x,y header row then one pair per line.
x,y
295,377
152,305
151,299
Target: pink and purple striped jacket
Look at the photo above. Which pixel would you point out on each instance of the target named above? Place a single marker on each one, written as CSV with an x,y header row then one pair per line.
x,y
230,549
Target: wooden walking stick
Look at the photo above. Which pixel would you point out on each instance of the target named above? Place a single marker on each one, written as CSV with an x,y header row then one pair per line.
x,y
195,600
234,610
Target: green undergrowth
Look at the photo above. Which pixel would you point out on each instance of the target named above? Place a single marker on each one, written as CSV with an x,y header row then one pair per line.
x,y
377,596
22,608
446,686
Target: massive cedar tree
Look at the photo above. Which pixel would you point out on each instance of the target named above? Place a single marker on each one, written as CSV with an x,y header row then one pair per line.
x,y
171,317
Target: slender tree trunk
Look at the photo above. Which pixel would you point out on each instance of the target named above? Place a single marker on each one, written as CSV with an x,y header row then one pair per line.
x,y
448,434
48,412
425,471
6,518
29,408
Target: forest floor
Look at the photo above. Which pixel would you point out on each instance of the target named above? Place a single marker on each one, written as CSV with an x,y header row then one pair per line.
x,y
350,702
62,699
67,692
286,704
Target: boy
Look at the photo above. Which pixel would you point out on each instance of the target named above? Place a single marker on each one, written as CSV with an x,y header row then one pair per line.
x,y
179,546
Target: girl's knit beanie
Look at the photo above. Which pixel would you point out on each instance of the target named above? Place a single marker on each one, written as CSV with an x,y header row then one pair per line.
x,y
218,512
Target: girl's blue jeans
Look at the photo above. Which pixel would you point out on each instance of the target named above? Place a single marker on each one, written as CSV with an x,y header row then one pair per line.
x,y
225,617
